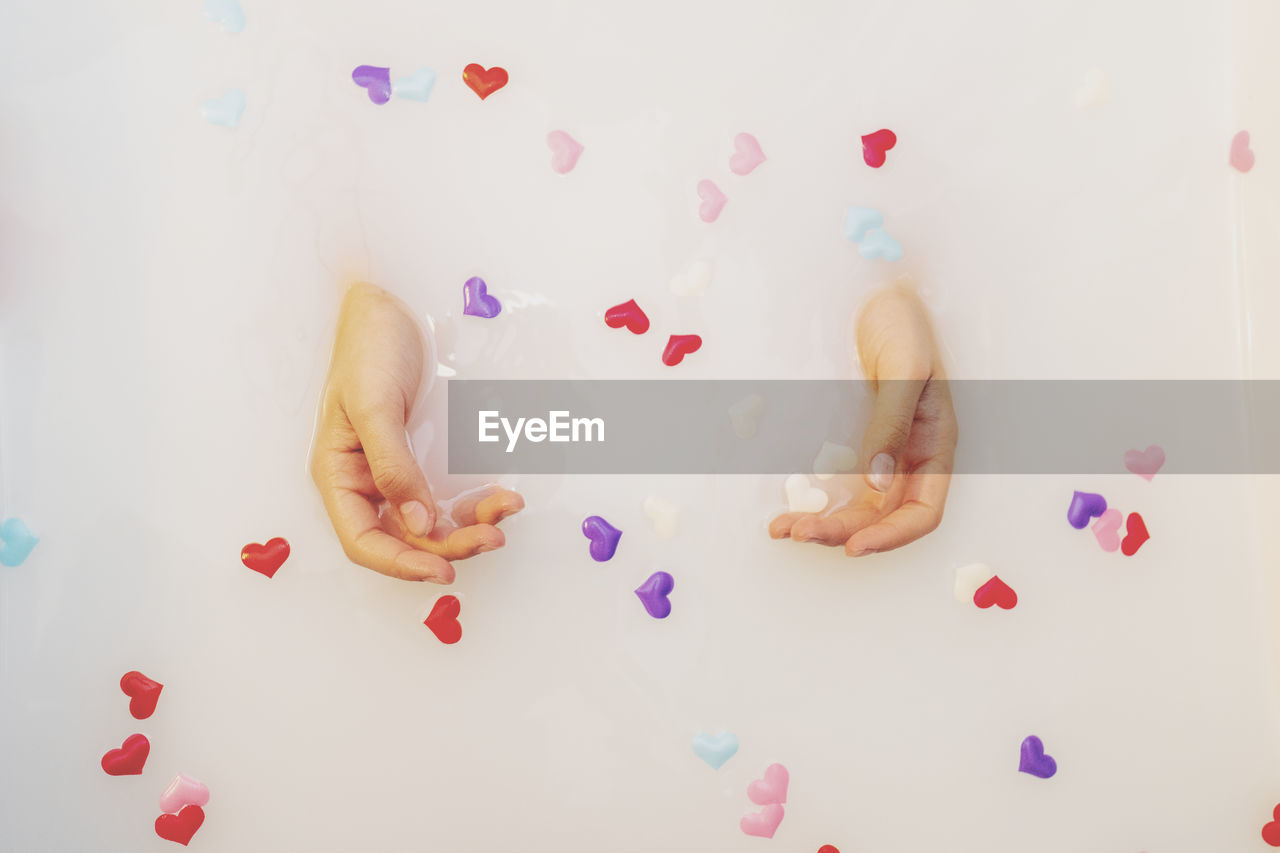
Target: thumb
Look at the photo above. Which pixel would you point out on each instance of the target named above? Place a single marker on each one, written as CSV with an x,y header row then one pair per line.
x,y
396,473
887,434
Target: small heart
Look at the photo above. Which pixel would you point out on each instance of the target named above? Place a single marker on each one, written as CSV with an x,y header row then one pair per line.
x,y
375,80
874,146
655,593
484,82
859,220
715,749
1093,89
997,592
877,243
801,497
744,415
772,789
1107,529
678,346
1242,158
266,559
183,791
476,300
1145,463
747,154
417,86
1084,506
226,14
1033,759
764,823
603,537
828,848
143,693
1271,832
181,826
443,619
692,281
663,515
969,579
225,111
129,759
565,151
1135,534
627,314
18,542
834,459
712,201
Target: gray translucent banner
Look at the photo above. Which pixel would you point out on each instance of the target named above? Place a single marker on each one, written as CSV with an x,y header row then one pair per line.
x,y
780,427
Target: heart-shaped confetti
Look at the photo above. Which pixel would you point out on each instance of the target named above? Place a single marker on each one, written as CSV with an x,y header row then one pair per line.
x,y
762,824
375,80
484,81
747,154
226,14
565,151
143,693
1034,761
995,592
181,826
603,537
1107,529
834,459
1242,158
802,497
692,281
875,145
1135,534
443,619
417,86
877,244
1271,831
655,593
859,220
1083,507
712,201
266,559
828,848
715,749
226,110
744,415
1093,89
678,346
129,759
476,301
1145,463
772,788
627,314
18,540
183,791
663,515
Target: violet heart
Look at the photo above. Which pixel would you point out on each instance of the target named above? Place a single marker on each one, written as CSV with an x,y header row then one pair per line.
x,y
375,80
654,592
1084,506
604,538
476,300
1034,760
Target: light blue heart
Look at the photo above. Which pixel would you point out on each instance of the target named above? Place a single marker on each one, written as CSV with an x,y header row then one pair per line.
x,y
878,244
860,220
18,542
417,86
715,749
226,13
226,110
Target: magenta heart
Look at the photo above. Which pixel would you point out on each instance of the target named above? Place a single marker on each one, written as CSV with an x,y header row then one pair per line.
x,y
604,538
375,80
654,592
747,154
476,300
772,788
1084,506
1107,529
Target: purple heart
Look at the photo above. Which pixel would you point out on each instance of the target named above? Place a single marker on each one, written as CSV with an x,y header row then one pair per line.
x,y
1084,506
653,594
604,538
374,79
1034,761
477,302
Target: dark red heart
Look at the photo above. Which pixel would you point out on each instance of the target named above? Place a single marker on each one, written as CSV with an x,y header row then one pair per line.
x,y
828,848
997,592
627,314
181,826
484,82
443,619
1271,832
1136,534
143,693
129,759
678,346
874,146
265,558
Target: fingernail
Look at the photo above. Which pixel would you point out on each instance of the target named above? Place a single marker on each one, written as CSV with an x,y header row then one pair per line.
x,y
864,552
881,472
415,517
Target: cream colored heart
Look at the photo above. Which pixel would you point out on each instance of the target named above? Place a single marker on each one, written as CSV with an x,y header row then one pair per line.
x,y
745,414
802,497
693,280
1093,89
663,515
969,578
834,459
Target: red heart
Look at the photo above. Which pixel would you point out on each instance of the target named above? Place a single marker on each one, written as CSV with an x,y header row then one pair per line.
x,y
484,82
874,146
627,314
265,558
995,591
181,826
1136,529
828,848
129,758
1271,832
443,619
143,693
678,346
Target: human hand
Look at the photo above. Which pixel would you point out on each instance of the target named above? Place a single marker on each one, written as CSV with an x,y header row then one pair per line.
x,y
908,450
375,492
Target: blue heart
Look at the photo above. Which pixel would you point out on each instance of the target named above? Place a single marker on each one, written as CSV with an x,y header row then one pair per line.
x,y
877,243
226,110
416,86
860,220
715,749
227,13
18,542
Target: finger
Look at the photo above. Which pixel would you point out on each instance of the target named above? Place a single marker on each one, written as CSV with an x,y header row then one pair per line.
x,y
459,543
780,527
356,522
836,528
917,516
888,432
488,506
396,473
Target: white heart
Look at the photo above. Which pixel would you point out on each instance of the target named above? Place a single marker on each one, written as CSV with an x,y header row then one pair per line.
x,y
744,414
969,578
663,515
834,459
1093,89
692,281
802,497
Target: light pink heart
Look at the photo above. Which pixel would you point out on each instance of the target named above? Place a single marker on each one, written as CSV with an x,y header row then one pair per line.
x,y
764,823
772,788
183,791
1107,529
1241,154
565,151
712,201
1145,463
747,154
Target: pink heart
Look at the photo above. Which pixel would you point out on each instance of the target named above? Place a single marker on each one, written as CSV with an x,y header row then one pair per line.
x,y
764,823
183,791
1145,463
565,151
772,789
1241,153
712,201
1107,529
747,154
